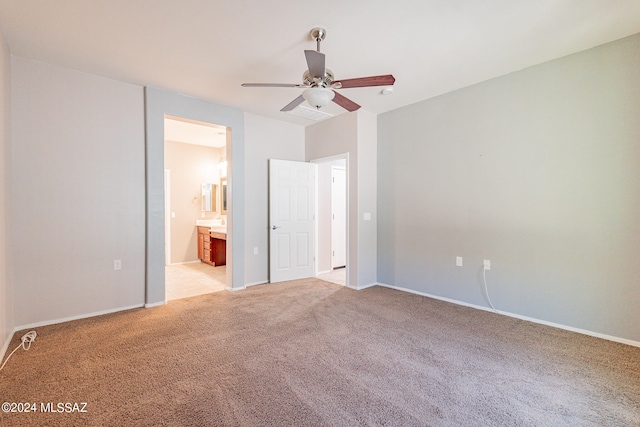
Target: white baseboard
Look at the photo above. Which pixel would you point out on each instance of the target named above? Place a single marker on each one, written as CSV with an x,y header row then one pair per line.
x,y
5,345
255,284
518,316
155,304
185,262
361,287
228,288
323,272
68,319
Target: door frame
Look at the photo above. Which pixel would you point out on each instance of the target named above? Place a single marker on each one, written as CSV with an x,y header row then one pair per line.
x,y
167,217
330,159
343,169
158,103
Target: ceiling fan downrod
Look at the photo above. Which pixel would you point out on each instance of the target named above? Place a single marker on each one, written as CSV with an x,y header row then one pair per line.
x,y
318,34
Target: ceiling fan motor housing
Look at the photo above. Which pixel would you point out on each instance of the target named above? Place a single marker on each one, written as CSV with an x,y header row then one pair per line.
x,y
326,81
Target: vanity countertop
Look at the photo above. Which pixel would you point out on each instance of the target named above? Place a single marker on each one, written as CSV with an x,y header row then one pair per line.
x,y
218,229
209,223
214,225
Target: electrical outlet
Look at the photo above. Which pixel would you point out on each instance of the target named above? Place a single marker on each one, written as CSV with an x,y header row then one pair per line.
x,y
255,250
117,264
486,264
459,261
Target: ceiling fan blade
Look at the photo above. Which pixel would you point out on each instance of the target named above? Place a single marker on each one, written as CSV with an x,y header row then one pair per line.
x,y
271,85
315,62
345,102
385,80
293,104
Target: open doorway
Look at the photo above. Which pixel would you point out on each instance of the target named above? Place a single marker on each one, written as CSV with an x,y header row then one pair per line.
x,y
195,212
158,104
332,213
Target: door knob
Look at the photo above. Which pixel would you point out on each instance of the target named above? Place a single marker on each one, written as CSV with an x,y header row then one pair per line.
x,y
275,227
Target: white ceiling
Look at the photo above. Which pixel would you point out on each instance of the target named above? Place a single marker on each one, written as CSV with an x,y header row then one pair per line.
x,y
192,132
207,48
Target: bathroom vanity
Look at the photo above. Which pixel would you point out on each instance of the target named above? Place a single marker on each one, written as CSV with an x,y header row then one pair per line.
x,y
212,245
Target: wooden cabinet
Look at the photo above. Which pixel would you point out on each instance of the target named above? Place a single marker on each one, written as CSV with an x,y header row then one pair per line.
x,y
204,245
212,247
218,248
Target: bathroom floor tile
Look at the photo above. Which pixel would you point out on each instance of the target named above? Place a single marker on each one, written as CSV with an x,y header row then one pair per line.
x,y
337,276
188,280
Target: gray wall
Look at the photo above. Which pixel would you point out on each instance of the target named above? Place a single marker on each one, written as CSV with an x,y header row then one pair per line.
x,y
264,139
367,198
77,193
6,284
355,134
538,171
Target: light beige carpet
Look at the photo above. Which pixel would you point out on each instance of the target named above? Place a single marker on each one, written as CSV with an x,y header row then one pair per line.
x,y
311,353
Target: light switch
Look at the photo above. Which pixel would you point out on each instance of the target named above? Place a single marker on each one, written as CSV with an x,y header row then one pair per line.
x,y
367,216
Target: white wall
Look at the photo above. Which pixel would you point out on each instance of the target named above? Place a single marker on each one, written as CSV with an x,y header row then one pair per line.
x,y
353,133
77,193
265,139
6,284
538,171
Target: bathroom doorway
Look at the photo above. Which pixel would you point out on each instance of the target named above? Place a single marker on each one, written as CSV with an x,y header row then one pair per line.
x,y
195,180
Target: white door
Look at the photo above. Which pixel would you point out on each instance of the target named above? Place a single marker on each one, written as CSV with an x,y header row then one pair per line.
x,y
291,220
338,217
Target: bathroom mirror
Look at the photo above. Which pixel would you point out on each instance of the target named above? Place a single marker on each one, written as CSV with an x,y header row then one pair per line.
x,y
223,196
208,197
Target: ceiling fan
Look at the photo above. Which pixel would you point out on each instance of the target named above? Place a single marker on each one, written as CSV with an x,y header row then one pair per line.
x,y
320,83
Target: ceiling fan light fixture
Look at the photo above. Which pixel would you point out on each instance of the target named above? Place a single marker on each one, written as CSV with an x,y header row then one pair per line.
x,y
318,97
